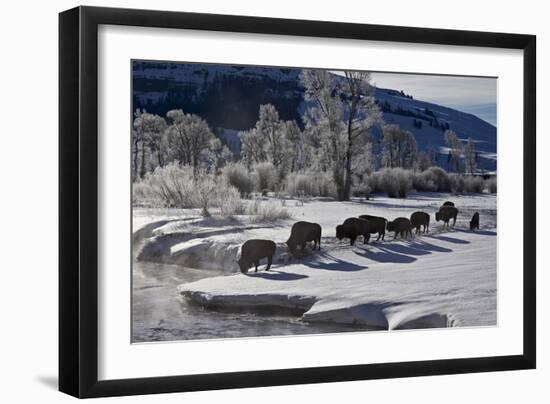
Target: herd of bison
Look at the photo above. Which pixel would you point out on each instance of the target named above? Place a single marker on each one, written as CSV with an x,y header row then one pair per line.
x,y
252,251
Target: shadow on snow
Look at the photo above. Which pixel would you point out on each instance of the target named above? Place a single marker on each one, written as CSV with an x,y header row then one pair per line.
x,y
276,275
331,263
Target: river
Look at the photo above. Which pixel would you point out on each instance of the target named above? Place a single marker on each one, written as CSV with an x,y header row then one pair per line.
x,y
160,314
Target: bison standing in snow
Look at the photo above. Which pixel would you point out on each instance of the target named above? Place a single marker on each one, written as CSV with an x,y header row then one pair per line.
x,y
353,227
401,226
446,213
419,219
474,223
376,225
301,233
253,251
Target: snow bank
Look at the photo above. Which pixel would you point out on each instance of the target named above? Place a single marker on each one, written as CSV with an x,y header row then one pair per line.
x,y
441,280
444,279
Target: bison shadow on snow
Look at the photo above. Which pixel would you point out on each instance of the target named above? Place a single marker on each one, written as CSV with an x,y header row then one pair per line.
x,y
274,275
448,239
480,232
329,262
399,253
385,255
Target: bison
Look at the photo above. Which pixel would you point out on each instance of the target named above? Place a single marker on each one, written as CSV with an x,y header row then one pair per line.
x,y
448,203
401,226
253,251
376,225
419,219
446,213
474,223
301,233
353,227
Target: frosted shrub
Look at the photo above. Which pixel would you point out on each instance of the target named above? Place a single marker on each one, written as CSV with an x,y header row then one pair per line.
x,y
207,187
474,185
456,183
424,182
269,212
171,186
230,202
142,195
310,184
299,184
266,176
361,190
434,179
491,185
238,176
373,182
324,184
395,182
175,186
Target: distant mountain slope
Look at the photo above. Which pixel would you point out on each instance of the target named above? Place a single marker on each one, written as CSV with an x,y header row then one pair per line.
x,y
228,97
428,122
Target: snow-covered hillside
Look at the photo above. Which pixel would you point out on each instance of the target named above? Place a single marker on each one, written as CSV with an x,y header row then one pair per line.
x,y
428,122
228,97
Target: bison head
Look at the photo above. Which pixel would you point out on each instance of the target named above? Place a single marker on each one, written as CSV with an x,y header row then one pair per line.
x,y
291,244
340,232
243,265
437,216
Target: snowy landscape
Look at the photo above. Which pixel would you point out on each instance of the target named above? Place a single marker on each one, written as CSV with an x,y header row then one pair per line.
x,y
206,183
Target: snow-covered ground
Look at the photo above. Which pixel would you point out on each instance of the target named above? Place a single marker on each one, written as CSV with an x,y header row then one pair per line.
x,y
445,278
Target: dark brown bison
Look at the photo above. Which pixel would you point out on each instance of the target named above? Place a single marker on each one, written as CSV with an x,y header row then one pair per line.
x,y
301,233
377,224
419,219
446,213
448,203
474,223
253,251
401,226
353,227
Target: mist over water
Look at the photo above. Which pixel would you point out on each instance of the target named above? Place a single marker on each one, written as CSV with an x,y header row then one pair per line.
x,y
159,313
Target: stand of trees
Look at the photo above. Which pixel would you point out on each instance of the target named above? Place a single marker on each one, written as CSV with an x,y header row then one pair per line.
x,y
334,141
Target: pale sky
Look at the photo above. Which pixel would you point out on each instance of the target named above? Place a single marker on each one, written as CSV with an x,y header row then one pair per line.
x,y
474,95
468,94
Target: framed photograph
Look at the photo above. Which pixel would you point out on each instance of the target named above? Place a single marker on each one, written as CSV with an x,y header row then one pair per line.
x,y
251,201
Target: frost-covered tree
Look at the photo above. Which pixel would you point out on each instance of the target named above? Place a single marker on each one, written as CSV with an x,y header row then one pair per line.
x,y
410,151
399,147
424,161
216,156
344,111
252,147
156,139
325,121
299,149
189,137
455,150
362,114
274,132
470,156
268,140
363,164
148,133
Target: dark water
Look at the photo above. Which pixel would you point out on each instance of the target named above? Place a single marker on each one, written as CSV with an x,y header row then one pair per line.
x,y
160,314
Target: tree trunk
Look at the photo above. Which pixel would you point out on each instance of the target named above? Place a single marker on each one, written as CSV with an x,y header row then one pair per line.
x,y
136,151
347,174
159,156
142,171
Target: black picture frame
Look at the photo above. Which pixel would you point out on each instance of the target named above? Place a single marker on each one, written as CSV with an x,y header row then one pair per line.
x,y
78,201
